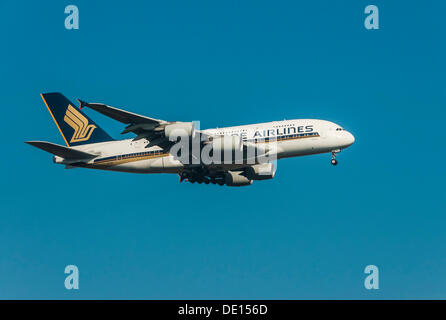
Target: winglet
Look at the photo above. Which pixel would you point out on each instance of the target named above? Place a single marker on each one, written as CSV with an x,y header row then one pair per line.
x,y
82,103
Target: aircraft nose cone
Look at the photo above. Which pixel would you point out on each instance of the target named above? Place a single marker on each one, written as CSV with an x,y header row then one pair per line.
x,y
349,138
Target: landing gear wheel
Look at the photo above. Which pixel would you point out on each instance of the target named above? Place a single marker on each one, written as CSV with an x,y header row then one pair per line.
x,y
333,157
183,176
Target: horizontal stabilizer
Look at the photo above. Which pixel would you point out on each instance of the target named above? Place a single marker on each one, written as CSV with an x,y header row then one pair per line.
x,y
61,151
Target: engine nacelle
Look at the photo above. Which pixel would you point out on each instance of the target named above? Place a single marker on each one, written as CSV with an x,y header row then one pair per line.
x,y
227,144
236,179
261,171
179,129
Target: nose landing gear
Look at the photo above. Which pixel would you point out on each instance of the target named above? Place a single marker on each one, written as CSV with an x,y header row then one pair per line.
x,y
333,157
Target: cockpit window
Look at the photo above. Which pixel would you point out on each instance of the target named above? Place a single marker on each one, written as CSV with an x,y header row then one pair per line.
x,y
340,129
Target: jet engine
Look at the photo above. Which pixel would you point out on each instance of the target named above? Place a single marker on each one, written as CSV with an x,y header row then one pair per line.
x,y
236,179
261,171
179,129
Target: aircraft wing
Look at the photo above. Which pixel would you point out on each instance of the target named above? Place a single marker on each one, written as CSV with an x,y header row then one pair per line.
x,y
144,127
121,115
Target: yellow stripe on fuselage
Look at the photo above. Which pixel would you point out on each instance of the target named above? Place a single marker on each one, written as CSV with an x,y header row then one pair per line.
x,y
125,159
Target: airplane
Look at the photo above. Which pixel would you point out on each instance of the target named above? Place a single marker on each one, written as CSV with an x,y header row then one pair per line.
x,y
252,150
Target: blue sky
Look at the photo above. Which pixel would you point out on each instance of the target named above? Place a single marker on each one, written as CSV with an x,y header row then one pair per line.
x,y
308,233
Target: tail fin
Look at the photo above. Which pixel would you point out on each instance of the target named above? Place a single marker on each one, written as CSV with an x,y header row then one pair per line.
x,y
74,126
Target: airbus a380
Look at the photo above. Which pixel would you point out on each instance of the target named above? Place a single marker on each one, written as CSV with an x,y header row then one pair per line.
x,y
155,147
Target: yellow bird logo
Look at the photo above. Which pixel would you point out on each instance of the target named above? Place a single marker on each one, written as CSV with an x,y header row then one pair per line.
x,y
82,130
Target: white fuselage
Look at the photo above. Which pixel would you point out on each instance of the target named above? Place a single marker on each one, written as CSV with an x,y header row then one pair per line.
x,y
291,137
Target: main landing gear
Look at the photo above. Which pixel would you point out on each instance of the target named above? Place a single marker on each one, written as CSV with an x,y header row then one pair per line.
x,y
333,157
202,176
